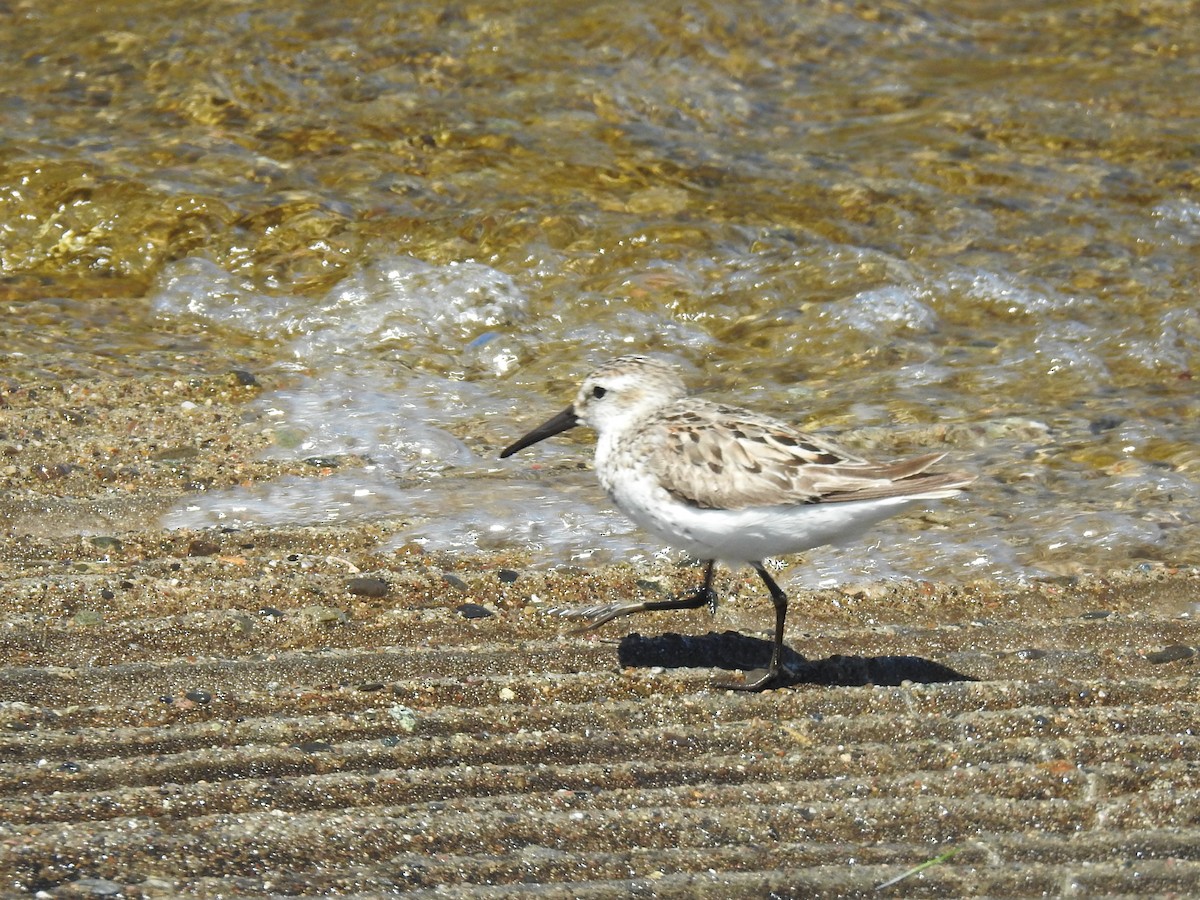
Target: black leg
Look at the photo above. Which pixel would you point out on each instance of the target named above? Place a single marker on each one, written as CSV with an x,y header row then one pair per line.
x,y
779,598
598,615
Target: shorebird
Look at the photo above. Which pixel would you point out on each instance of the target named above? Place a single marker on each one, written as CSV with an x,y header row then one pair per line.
x,y
724,483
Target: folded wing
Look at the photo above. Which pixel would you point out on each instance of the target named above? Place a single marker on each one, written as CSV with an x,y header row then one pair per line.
x,y
752,460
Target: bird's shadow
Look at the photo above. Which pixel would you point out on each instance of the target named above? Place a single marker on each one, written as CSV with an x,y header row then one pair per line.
x,y
732,650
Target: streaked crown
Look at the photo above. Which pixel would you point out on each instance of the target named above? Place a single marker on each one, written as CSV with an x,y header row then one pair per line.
x,y
626,390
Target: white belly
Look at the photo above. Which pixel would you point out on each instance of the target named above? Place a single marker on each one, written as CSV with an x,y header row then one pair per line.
x,y
744,535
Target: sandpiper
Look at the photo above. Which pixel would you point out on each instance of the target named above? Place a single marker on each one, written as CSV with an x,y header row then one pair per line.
x,y
725,483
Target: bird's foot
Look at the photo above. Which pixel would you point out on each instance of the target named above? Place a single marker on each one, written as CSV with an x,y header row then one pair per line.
x,y
772,677
702,596
593,617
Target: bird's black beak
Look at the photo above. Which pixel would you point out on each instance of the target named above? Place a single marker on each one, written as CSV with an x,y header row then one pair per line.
x,y
560,423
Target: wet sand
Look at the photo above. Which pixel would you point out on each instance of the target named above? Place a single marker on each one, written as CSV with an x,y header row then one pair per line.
x,y
284,710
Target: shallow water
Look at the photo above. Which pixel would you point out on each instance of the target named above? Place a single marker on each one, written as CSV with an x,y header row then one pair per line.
x,y
973,228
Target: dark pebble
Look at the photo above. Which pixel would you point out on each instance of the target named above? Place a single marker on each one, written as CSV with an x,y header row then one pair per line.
x,y
201,547
508,576
1104,423
270,612
1173,653
316,747
1097,614
455,582
368,587
105,542
199,696
69,766
244,378
323,462
107,594
473,611
1031,653
371,686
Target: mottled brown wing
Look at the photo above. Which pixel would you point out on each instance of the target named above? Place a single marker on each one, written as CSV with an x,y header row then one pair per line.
x,y
725,458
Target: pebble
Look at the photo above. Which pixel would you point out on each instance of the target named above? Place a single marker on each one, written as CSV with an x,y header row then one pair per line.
x,y
323,462
202,547
507,576
405,718
1173,653
97,887
368,587
455,582
473,611
199,696
325,615
171,454
244,378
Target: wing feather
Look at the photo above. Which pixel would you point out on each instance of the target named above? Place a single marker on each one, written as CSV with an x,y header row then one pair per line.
x,y
715,456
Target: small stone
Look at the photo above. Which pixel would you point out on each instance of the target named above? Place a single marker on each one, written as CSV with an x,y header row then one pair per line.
x,y
455,582
167,454
270,612
107,594
199,696
87,618
507,695
507,576
1173,653
1104,423
106,542
1031,653
1096,614
325,615
473,611
96,887
368,686
202,547
244,378
323,462
405,718
368,587
316,747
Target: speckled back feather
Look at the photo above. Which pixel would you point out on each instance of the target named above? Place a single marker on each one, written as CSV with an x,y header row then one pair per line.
x,y
722,457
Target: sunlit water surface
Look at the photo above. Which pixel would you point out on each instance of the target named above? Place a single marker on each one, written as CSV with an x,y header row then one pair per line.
x,y
972,227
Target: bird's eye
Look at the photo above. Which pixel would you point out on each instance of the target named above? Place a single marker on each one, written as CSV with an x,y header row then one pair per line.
x,y
599,392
